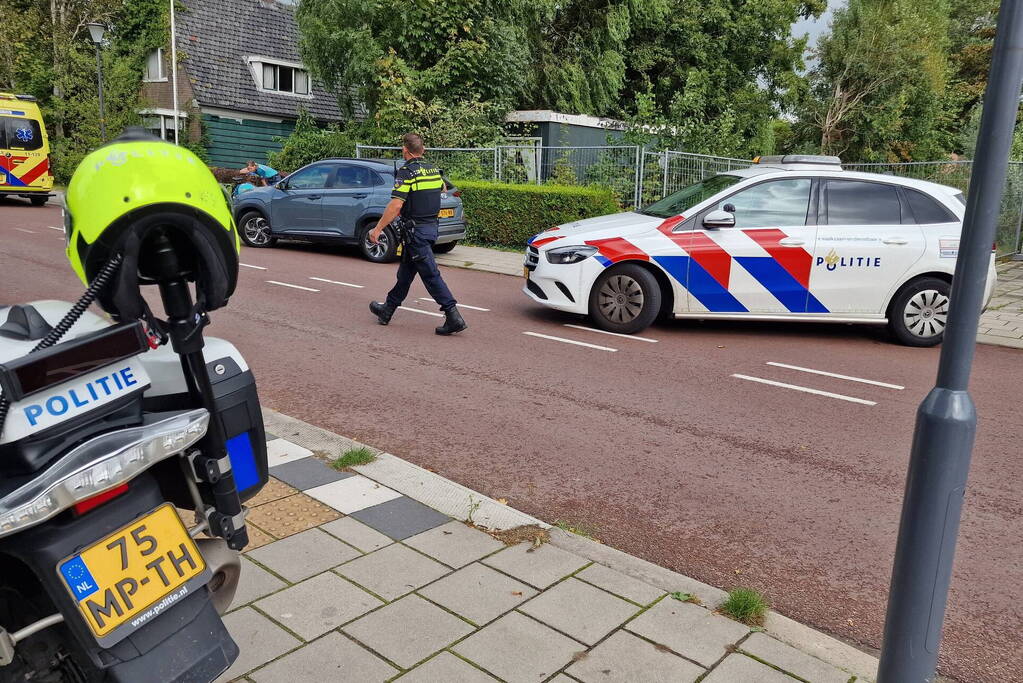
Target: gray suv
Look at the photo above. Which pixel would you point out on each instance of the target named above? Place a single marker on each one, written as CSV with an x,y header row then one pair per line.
x,y
338,200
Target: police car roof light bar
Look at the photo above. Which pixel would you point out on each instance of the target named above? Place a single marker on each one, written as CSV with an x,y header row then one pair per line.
x,y
822,159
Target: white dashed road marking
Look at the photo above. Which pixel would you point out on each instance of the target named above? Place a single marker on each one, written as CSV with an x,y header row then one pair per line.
x,y
832,374
251,266
419,310
31,232
613,334
54,227
285,284
473,308
807,390
335,282
571,341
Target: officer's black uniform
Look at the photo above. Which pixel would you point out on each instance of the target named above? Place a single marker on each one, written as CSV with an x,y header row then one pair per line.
x,y
419,185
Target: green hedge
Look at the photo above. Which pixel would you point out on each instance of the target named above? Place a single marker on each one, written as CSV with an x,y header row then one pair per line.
x,y
507,215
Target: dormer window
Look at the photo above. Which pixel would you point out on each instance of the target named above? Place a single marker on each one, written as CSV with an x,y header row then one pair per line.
x,y
280,77
154,67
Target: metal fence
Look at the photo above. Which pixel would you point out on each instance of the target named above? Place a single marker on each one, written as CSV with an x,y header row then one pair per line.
x,y
639,177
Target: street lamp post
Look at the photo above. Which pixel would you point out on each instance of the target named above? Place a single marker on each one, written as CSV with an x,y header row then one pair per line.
x,y
96,31
946,420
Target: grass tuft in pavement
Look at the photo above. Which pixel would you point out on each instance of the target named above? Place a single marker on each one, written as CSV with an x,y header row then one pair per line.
x,y
577,529
745,605
352,457
685,597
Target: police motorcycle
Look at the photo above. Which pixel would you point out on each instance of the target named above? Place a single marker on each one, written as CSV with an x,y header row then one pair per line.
x,y
105,429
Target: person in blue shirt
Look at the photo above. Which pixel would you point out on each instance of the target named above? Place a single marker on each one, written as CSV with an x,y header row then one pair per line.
x,y
270,175
250,183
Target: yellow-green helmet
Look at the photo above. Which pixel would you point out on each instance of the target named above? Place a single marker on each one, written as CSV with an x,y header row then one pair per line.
x,y
125,189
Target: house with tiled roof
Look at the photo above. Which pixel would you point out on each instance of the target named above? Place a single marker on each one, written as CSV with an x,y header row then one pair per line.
x,y
241,81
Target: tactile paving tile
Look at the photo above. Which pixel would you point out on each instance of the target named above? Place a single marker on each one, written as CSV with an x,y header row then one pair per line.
x,y
291,515
257,537
275,489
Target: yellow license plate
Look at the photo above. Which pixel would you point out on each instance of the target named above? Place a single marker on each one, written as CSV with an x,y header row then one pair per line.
x,y
124,581
447,213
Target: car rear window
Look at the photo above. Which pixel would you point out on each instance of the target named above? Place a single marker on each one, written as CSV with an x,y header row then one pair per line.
x,y
852,202
927,209
21,134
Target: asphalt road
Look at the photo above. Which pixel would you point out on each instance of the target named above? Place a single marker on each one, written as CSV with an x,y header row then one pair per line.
x,y
652,443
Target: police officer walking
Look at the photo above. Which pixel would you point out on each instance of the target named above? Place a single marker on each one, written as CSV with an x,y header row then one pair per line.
x,y
416,198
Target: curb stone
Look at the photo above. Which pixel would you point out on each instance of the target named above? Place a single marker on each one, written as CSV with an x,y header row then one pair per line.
x,y
459,501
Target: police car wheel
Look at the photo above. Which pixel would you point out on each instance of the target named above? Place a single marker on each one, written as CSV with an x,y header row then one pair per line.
x,y
38,201
256,230
625,299
385,248
919,312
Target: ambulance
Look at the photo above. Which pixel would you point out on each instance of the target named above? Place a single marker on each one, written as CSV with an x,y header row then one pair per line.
x,y
24,150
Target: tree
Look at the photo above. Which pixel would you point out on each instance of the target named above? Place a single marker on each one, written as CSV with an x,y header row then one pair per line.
x,y
878,91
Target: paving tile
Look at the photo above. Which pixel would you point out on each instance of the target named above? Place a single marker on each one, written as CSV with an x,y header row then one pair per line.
x,y
304,554
280,451
352,494
408,630
331,658
478,593
318,605
562,678
257,537
393,571
273,490
447,668
518,649
690,630
270,436
307,473
539,567
580,610
624,658
401,517
259,640
792,660
353,532
455,544
742,669
254,583
620,584
291,515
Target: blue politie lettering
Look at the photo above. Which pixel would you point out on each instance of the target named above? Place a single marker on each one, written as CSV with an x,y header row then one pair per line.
x,y
73,399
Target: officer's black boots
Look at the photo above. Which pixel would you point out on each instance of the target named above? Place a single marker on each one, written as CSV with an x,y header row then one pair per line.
x,y
453,322
383,312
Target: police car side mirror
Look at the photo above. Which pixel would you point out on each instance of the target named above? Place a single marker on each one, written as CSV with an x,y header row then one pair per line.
x,y
718,219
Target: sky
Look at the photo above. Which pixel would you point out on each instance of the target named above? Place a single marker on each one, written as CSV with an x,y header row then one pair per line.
x,y
815,27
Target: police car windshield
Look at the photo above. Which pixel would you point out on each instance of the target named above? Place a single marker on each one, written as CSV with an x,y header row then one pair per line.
x,y
688,197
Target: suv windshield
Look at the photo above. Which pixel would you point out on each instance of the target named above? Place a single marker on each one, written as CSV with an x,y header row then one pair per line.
x,y
688,197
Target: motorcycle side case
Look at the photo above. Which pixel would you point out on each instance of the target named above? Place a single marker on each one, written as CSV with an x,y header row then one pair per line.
x,y
236,405
188,642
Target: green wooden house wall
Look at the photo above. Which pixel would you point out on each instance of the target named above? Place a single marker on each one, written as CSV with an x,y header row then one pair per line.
x,y
233,142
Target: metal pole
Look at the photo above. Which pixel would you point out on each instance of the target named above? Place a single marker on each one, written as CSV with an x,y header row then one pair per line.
x,y
946,420
102,107
635,185
174,69
664,183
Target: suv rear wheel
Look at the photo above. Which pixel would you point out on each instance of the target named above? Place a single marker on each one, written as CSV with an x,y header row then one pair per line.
x,y
385,249
625,299
919,311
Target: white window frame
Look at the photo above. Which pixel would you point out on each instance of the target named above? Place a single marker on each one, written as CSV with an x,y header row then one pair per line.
x,y
166,122
256,64
159,59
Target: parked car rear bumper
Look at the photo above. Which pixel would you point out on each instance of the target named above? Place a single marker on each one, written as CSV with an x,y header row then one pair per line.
x,y
450,232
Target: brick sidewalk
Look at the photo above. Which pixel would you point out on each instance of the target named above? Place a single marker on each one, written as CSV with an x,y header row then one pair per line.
x,y
349,580
1002,322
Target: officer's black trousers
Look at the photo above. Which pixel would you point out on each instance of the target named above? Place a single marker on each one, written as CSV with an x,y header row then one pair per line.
x,y
421,262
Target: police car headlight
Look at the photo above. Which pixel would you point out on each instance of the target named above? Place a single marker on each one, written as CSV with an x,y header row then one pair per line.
x,y
99,464
575,254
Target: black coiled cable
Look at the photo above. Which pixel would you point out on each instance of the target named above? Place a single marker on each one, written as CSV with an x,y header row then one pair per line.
x,y
70,318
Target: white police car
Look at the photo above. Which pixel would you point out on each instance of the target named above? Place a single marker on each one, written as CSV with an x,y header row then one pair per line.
x,y
790,238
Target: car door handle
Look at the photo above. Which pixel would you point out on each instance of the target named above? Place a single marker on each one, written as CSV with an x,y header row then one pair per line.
x,y
896,240
361,195
313,197
791,242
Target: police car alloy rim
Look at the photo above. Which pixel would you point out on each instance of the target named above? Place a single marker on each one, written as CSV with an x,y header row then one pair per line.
x,y
257,230
620,299
378,250
926,313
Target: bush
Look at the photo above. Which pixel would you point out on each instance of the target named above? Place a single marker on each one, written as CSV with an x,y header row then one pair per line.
x,y
309,143
505,215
